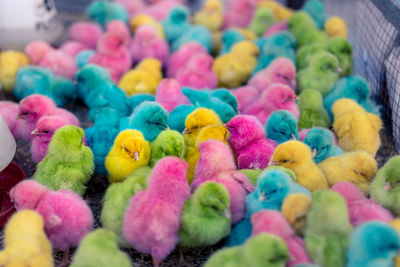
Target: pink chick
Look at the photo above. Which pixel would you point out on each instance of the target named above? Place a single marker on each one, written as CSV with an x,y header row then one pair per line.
x,y
113,55
216,164
169,94
360,208
9,112
152,218
198,73
120,28
45,128
72,48
133,7
304,131
275,97
33,107
273,222
160,11
146,43
179,59
249,142
86,33
67,217
36,51
245,96
277,27
281,70
239,14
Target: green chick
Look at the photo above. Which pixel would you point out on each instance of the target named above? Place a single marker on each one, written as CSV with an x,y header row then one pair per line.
x,y
299,23
312,111
206,217
263,18
68,164
305,53
311,36
99,249
116,200
262,250
328,229
386,184
167,143
321,74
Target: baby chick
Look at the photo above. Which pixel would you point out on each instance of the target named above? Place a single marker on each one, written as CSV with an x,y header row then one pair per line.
x,y
297,156
177,117
328,229
261,250
322,144
235,67
151,221
129,152
357,167
262,19
206,217
142,79
312,111
384,188
116,200
336,26
25,243
167,143
68,163
355,128
282,126
103,12
210,16
10,62
142,19
99,249
150,118
295,208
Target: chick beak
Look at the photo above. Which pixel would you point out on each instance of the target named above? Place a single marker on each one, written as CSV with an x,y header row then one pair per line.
x,y
136,155
272,162
338,69
35,132
186,131
387,186
314,152
227,213
21,117
262,198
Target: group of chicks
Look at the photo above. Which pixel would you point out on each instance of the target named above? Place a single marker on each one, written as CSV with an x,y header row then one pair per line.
x,y
241,126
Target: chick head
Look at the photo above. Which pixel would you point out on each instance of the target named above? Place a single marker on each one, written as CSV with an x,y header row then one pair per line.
x,y
213,7
300,21
27,194
151,117
212,199
356,87
10,62
130,144
283,71
310,99
25,223
88,75
392,172
362,166
67,139
139,20
320,140
282,126
178,14
200,118
295,208
35,106
245,49
264,248
336,26
244,129
340,46
344,106
279,95
145,35
150,64
270,221
226,96
272,186
170,143
290,154
47,126
324,63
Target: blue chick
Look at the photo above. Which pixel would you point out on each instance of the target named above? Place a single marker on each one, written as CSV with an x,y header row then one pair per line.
x,y
322,145
196,97
226,96
177,117
63,91
83,57
150,118
137,99
282,126
89,77
199,34
103,12
177,23
228,39
315,8
354,87
373,244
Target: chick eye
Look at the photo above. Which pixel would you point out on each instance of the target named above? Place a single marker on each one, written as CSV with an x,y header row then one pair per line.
x,y
282,132
195,127
214,207
25,113
46,131
284,161
273,191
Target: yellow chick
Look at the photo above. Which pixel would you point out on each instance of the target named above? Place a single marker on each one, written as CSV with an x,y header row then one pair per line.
x,y
356,167
142,79
396,224
280,12
235,67
210,16
143,19
247,34
129,152
297,156
295,208
197,120
217,131
25,242
10,63
336,26
356,129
